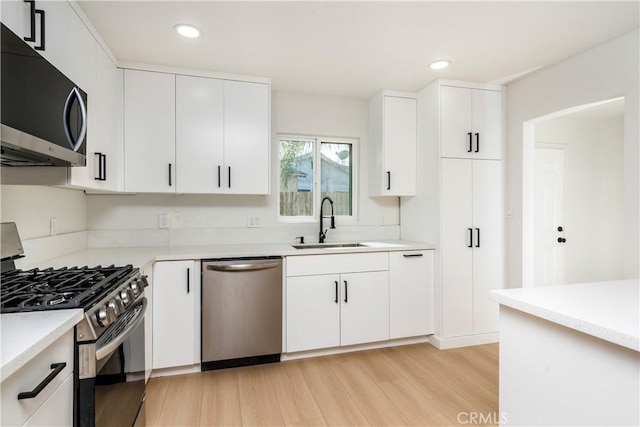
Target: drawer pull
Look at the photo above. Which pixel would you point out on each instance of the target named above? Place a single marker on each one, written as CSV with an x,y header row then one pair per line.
x,y
412,255
57,368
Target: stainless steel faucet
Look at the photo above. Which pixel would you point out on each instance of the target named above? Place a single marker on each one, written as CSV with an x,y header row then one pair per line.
x,y
323,234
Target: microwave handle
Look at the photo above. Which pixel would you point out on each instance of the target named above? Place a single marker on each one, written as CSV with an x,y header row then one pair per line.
x,y
66,116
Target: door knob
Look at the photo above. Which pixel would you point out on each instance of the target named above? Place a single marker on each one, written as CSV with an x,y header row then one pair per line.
x,y
561,240
560,228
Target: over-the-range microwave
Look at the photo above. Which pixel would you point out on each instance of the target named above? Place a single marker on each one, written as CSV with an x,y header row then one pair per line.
x,y
44,114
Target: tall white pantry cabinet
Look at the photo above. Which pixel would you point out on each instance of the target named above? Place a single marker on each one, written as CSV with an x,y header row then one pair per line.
x,y
459,205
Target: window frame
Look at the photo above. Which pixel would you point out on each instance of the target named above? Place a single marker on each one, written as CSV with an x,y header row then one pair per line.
x,y
317,144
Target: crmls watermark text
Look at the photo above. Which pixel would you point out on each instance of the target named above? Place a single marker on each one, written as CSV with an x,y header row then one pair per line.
x,y
482,418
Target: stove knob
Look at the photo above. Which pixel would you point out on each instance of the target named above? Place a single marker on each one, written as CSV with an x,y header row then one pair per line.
x,y
135,288
102,317
125,296
114,307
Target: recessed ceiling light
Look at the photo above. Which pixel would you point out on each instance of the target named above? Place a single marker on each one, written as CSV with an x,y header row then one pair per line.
x,y
187,30
440,64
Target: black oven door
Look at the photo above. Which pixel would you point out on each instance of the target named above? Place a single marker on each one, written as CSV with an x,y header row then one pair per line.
x,y
115,396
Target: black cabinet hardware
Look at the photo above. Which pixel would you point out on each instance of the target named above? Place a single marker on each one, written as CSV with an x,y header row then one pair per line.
x,y
470,245
32,19
561,240
412,255
470,135
301,239
478,238
218,176
477,142
102,167
388,180
41,45
188,280
560,228
336,300
346,291
57,368
229,176
169,174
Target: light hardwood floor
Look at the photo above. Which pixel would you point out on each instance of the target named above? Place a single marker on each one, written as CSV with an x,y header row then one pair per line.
x,y
415,385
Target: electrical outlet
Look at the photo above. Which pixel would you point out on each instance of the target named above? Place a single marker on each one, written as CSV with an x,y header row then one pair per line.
x,y
381,219
253,221
163,221
53,226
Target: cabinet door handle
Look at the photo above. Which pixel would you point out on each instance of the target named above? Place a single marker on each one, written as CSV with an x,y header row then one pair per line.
x,y
57,368
412,255
470,245
478,235
470,142
336,300
229,176
41,45
477,142
99,177
218,176
169,174
104,167
188,280
388,180
346,291
32,19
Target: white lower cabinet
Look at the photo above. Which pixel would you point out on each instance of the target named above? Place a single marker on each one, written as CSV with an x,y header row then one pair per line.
x,y
53,405
176,314
343,301
411,293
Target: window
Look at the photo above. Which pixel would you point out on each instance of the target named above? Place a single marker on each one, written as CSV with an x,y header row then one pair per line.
x,y
303,185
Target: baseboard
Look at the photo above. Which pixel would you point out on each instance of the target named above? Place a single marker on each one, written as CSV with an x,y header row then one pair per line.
x,y
178,370
464,341
353,348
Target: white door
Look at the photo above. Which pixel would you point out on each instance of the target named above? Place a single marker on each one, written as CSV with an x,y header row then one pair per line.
x,y
487,124
411,287
399,146
313,312
456,122
457,251
549,249
364,307
246,138
199,135
174,314
488,242
149,132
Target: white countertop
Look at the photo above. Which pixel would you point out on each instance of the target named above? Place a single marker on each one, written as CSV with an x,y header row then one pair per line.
x,y
24,335
606,310
139,257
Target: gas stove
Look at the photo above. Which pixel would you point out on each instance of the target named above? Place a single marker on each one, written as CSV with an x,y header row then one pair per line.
x,y
104,293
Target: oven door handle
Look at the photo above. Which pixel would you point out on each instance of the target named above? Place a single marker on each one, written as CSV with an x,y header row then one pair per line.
x,y
111,346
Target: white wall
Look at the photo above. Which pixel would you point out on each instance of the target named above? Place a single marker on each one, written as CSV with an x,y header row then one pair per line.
x,y
132,220
32,207
593,195
606,71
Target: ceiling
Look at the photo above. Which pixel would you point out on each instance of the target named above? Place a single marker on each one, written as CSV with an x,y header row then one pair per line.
x,y
355,49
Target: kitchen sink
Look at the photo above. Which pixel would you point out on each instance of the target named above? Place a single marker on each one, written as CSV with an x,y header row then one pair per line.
x,y
329,246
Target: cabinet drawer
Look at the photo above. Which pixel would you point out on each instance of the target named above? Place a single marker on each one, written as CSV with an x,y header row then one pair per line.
x,y
308,265
15,411
58,409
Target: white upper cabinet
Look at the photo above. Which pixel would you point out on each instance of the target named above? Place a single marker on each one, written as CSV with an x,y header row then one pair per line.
x,y
246,137
222,136
149,132
104,169
471,123
196,134
392,144
199,135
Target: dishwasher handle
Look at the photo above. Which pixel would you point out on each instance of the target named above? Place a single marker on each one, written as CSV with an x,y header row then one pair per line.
x,y
243,267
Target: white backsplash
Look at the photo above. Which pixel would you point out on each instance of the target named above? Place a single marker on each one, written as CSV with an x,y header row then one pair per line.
x,y
44,248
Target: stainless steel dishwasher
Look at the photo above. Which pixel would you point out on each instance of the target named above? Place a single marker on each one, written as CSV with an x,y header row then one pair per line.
x,y
241,312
